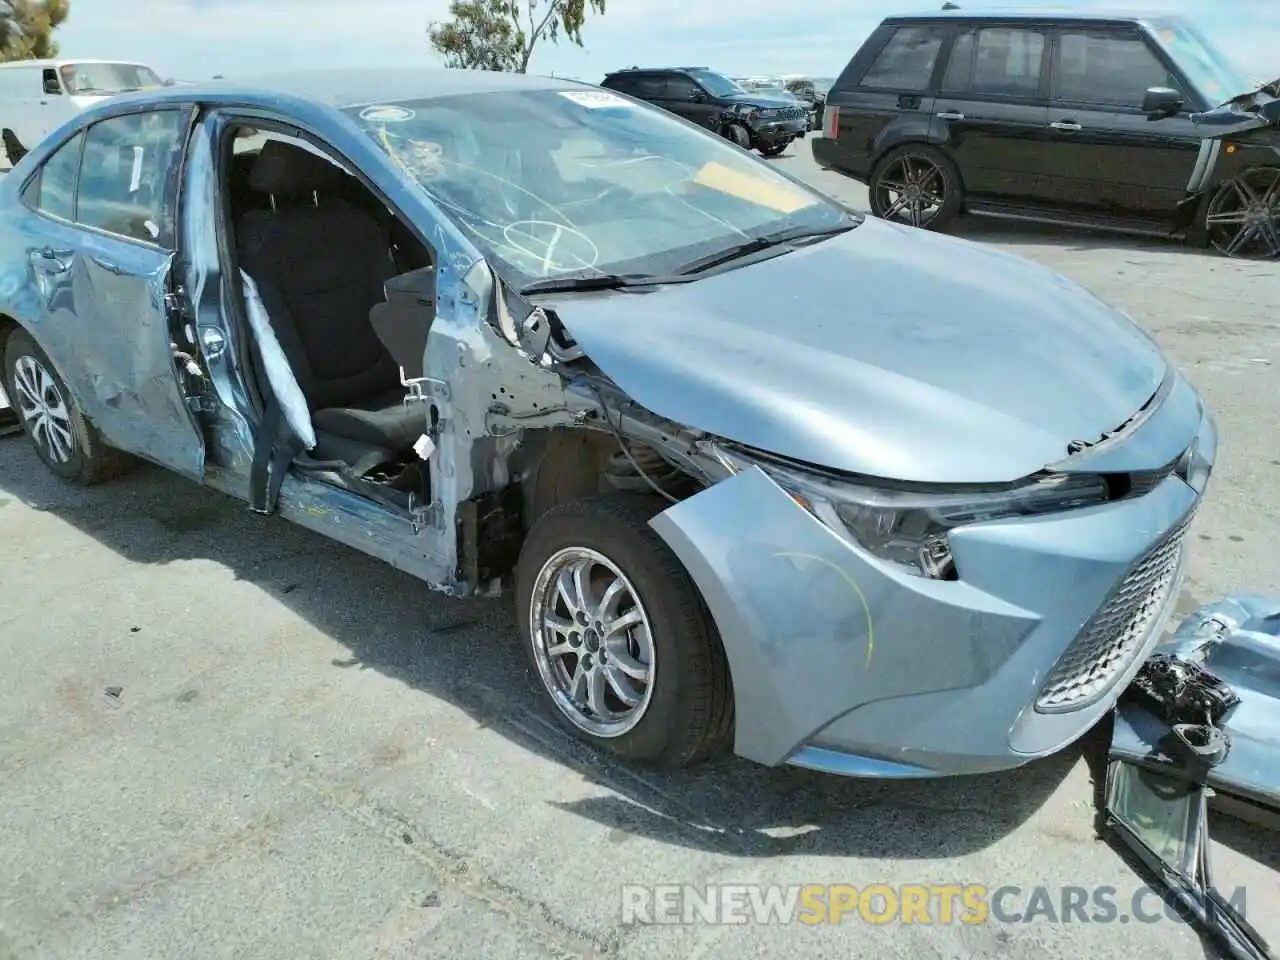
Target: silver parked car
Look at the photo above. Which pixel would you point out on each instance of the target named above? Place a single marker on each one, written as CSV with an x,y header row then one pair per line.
x,y
763,472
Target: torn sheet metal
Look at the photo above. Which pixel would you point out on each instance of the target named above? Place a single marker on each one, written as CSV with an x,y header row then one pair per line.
x,y
1255,110
1238,640
1202,719
293,404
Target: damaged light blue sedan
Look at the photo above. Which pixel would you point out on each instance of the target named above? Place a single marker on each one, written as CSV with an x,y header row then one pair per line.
x,y
762,472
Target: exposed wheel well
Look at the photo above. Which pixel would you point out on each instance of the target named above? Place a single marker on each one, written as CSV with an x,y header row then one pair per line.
x,y
569,464
7,326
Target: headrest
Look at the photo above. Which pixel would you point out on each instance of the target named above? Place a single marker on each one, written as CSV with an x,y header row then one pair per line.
x,y
284,170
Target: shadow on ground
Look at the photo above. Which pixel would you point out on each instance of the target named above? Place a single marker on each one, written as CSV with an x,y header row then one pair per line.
x,y
394,624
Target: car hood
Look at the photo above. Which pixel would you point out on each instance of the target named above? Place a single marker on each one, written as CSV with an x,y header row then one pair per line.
x,y
885,351
1256,110
762,101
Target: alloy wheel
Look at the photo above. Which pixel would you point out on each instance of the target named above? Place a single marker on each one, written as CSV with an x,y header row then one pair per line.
x,y
912,190
44,409
1243,218
592,642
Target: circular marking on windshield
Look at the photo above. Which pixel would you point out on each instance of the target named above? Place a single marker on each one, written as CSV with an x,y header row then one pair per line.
x,y
386,113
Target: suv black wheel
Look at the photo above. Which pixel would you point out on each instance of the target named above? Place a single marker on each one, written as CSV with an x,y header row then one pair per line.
x,y
67,443
618,635
739,135
1242,218
917,185
775,150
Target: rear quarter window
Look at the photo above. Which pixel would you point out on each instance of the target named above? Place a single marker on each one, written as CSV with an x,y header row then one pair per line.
x,y
906,61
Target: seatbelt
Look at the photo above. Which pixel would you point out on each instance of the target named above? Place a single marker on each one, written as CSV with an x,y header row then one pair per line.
x,y
273,451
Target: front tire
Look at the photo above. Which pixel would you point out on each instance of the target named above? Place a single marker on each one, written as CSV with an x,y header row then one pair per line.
x,y
618,635
916,185
775,151
1242,216
739,135
67,443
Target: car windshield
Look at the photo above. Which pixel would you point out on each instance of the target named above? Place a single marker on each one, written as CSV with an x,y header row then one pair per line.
x,y
583,182
107,77
1209,70
716,84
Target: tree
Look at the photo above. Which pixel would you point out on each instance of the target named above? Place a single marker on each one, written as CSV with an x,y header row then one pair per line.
x,y
501,34
26,28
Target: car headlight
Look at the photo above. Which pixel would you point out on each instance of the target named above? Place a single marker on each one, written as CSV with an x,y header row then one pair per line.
x,y
909,526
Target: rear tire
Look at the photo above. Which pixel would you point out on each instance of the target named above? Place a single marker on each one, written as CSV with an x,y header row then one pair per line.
x,y
67,443
609,617
916,185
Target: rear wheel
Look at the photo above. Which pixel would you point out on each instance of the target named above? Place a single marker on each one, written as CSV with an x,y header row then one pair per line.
x,y
916,185
1242,218
67,443
618,635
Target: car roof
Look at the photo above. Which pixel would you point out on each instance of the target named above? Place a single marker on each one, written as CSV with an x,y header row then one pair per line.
x,y
351,88
63,61
1074,14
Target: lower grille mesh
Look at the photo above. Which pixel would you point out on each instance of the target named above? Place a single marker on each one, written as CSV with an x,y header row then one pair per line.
x,y
1109,642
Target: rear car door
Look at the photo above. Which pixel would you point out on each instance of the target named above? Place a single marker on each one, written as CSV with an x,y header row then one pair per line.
x,y
104,262
1106,157
991,109
872,99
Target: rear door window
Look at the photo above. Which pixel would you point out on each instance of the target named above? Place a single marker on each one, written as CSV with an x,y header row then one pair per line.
x,y
56,193
996,62
129,181
1106,69
906,61
648,87
678,87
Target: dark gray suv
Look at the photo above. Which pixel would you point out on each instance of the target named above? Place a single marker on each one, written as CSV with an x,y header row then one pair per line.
x,y
754,121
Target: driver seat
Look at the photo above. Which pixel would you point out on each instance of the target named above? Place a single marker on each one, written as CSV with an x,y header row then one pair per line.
x,y
320,264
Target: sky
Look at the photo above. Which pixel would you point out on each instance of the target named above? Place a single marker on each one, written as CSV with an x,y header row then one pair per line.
x,y
196,39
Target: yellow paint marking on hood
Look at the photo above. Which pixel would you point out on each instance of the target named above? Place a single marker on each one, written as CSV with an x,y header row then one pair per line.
x,y
775,196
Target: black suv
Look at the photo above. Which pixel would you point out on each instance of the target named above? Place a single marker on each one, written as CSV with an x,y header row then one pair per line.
x,y
1137,124
712,100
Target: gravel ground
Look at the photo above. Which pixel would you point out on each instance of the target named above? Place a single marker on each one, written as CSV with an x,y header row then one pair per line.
x,y
313,756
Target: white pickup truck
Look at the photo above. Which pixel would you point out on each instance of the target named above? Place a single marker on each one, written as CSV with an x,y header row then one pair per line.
x,y
38,96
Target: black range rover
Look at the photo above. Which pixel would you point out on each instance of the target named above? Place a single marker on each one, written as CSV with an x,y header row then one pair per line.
x,y
754,121
1092,120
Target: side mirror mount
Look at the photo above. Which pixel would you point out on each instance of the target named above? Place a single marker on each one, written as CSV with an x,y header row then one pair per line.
x,y
1159,102
52,87
697,96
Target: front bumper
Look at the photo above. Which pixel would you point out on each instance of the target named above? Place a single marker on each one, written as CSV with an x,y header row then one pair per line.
x,y
769,133
843,664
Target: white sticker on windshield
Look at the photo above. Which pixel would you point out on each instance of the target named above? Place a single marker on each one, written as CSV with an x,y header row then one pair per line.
x,y
386,114
594,99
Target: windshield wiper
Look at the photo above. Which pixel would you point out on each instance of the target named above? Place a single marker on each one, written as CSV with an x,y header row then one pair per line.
x,y
757,244
600,281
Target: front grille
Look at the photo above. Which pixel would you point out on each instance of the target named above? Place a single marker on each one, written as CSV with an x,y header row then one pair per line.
x,y
794,113
1118,631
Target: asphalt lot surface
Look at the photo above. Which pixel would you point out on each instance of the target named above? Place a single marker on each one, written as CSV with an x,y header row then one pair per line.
x,y
311,755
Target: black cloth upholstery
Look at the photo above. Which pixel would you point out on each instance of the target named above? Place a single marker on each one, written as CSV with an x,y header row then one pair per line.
x,y
320,265
284,171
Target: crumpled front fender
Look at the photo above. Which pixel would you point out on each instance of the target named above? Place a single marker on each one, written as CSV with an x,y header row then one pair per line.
x,y
811,628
